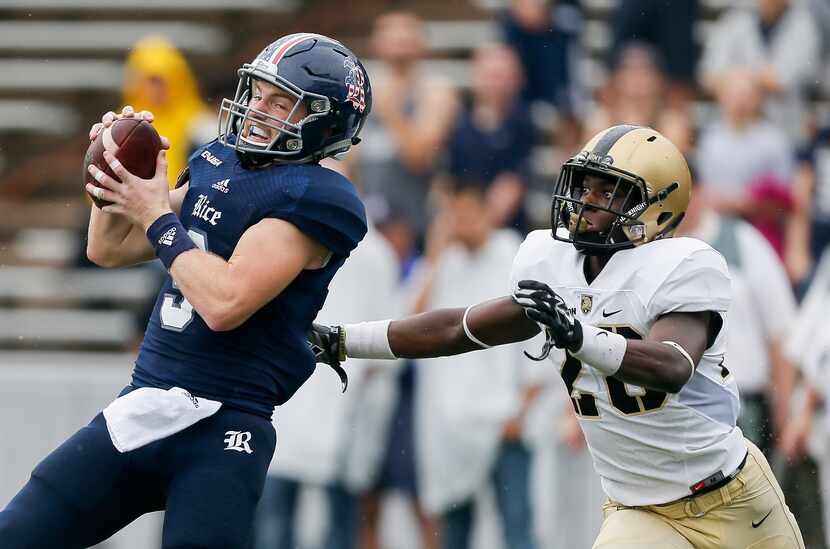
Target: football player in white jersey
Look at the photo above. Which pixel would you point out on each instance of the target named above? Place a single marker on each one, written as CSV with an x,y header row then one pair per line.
x,y
638,320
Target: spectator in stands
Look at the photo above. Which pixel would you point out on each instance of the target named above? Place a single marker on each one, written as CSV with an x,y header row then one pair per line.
x,y
760,316
470,412
412,116
635,94
159,79
397,472
576,486
806,446
669,28
820,12
779,42
744,161
807,436
810,225
544,35
413,112
493,138
335,443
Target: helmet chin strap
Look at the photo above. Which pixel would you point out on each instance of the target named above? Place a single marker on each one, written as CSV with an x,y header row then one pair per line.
x,y
586,239
251,160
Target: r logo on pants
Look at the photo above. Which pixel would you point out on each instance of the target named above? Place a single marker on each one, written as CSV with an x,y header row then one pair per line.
x,y
238,441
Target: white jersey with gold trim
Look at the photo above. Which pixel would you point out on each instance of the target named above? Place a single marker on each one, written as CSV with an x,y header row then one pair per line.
x,y
649,447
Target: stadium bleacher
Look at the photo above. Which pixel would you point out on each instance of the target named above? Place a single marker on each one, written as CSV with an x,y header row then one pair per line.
x,y
62,62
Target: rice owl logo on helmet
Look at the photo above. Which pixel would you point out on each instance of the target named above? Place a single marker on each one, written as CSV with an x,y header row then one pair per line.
x,y
355,82
331,97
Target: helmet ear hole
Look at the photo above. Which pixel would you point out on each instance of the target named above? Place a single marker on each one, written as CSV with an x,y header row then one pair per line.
x,y
663,217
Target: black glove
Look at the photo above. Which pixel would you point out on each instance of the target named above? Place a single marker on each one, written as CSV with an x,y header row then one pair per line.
x,y
543,306
326,342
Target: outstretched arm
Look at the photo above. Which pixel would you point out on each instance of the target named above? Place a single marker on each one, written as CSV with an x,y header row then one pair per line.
x,y
441,332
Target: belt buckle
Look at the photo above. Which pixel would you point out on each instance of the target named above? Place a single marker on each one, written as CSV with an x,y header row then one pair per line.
x,y
704,485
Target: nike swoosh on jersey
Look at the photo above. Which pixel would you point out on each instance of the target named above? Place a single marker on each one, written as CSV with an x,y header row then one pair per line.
x,y
757,524
606,315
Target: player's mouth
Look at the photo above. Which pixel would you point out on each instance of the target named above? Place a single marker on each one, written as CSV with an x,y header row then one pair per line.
x,y
586,218
258,133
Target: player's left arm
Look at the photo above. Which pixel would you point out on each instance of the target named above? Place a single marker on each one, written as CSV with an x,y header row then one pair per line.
x,y
267,258
665,360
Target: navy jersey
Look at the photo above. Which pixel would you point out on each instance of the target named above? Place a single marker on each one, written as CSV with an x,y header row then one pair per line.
x,y
264,361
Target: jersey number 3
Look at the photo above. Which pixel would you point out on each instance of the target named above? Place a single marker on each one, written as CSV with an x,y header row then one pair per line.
x,y
176,312
585,404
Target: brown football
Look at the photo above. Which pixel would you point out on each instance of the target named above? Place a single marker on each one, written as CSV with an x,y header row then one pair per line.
x,y
135,143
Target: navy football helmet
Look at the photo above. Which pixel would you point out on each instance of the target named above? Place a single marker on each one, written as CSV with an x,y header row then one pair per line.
x,y
324,77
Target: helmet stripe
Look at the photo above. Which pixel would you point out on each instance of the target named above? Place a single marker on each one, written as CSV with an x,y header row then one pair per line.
x,y
290,44
611,137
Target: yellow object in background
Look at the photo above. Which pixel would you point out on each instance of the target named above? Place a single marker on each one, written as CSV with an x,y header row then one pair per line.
x,y
159,79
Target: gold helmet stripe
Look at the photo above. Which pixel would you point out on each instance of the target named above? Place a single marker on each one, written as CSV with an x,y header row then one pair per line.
x,y
611,137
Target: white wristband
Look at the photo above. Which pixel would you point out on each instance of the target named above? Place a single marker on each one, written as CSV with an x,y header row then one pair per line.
x,y
601,349
368,340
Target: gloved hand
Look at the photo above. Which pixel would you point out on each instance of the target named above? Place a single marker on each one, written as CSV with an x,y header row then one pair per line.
x,y
326,342
542,305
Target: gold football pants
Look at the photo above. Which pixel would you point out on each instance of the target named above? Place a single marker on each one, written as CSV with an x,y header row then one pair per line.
x,y
747,513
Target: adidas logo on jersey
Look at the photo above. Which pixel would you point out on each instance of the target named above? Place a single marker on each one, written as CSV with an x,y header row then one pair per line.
x,y
167,238
238,441
212,159
221,186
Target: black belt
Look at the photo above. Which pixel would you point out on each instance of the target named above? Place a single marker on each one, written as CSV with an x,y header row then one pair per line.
x,y
718,480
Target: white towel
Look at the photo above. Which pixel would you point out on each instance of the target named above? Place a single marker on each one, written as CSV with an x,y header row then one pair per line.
x,y
148,414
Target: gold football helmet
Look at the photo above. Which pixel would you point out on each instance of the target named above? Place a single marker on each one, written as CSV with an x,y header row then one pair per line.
x,y
645,168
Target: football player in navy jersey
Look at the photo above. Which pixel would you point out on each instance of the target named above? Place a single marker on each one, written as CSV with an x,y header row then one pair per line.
x,y
251,237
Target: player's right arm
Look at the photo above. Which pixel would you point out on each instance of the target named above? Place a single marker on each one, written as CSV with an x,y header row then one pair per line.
x,y
441,332
112,240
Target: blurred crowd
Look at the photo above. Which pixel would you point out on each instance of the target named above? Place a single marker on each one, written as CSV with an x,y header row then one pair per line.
x,y
452,179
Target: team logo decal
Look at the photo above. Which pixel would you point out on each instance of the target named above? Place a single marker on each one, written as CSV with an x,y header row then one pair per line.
x,y
586,302
588,156
238,441
355,83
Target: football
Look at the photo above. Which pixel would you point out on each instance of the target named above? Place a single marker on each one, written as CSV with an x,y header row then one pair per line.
x,y
135,143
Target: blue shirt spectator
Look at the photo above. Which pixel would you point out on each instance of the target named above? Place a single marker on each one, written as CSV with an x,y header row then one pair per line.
x,y
814,191
493,137
485,153
544,35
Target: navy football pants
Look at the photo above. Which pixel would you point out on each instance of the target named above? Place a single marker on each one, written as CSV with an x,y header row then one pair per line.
x,y
85,490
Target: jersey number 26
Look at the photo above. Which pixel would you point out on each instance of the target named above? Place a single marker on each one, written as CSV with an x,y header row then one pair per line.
x,y
585,404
